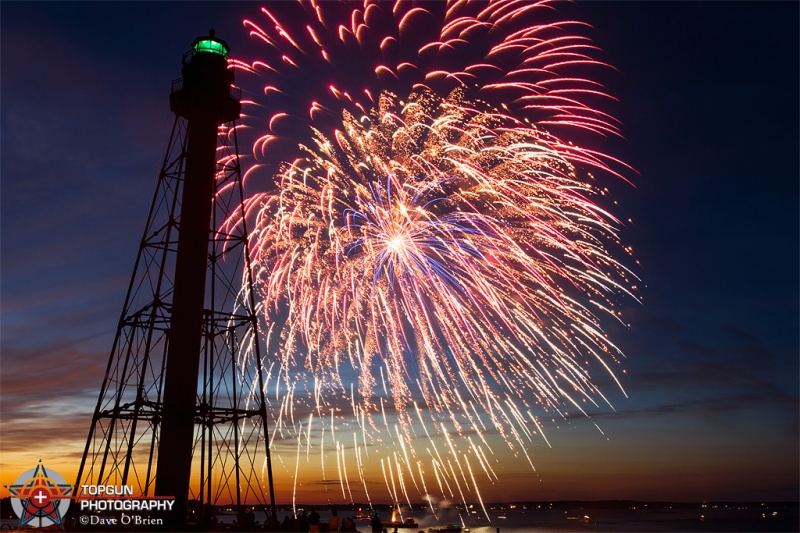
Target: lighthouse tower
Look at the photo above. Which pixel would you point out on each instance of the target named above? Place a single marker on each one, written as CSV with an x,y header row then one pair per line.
x,y
181,412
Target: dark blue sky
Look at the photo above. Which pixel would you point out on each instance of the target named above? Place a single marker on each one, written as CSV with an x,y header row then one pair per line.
x,y
709,102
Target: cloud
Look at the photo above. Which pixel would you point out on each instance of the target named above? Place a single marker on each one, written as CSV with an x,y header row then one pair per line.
x,y
703,408
48,396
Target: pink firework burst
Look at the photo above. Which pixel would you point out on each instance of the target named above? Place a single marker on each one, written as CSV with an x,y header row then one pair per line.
x,y
434,261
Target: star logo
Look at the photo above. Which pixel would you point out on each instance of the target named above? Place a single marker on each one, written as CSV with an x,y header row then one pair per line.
x,y
40,498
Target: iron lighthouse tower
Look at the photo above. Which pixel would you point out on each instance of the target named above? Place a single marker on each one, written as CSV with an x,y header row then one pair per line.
x,y
182,410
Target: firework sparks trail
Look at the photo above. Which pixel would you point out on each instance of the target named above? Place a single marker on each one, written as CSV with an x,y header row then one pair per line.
x,y
429,248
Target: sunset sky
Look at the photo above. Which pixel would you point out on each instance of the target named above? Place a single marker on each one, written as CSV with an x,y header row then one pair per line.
x,y
709,104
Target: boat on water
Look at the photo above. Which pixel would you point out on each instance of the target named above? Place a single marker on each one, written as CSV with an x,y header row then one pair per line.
x,y
408,523
584,518
448,528
397,523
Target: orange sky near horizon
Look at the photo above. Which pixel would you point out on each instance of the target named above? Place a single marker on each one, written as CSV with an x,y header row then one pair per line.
x,y
582,464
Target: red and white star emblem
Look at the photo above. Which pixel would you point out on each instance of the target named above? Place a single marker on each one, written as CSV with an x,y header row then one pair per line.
x,y
40,497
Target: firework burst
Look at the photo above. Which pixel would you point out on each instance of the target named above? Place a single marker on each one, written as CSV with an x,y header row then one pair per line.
x,y
431,254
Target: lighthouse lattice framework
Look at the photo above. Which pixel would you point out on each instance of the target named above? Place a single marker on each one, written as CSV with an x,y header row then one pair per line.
x,y
182,411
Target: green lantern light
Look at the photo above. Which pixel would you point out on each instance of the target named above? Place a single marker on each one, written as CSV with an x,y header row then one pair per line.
x,y
210,45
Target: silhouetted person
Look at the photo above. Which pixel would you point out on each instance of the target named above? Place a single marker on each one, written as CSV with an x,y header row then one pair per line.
x,y
348,524
377,527
333,522
313,521
209,515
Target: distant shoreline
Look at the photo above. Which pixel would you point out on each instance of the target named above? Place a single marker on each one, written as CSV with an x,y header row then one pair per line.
x,y
534,505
